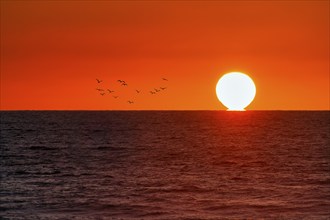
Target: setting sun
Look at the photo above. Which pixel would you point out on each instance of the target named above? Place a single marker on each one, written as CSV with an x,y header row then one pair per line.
x,y
236,91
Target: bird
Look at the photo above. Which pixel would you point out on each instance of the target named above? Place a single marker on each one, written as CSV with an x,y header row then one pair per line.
x,y
162,88
102,94
115,96
164,79
124,84
130,102
110,91
120,81
99,81
157,90
152,93
138,91
100,90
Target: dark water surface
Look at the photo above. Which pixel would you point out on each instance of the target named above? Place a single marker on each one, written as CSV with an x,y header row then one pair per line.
x,y
165,165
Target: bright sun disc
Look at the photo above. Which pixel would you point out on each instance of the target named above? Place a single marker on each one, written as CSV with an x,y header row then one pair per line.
x,y
235,90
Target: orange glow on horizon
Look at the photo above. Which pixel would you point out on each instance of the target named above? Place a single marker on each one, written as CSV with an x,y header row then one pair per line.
x,y
52,52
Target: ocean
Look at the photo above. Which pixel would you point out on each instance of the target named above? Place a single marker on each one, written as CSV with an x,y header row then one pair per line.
x,y
165,165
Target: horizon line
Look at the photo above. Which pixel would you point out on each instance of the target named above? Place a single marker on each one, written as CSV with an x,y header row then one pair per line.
x,y
222,110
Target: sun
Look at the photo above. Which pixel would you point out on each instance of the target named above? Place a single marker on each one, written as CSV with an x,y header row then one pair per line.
x,y
236,91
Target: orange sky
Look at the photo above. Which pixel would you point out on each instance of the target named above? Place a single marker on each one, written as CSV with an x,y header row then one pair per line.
x,y
51,53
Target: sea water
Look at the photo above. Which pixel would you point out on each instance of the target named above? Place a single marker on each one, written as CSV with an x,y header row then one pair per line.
x,y
165,165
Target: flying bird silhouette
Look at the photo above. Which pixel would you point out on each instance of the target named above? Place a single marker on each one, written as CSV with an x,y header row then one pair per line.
x,y
164,79
124,84
152,93
163,88
100,90
138,91
157,90
102,94
120,81
110,91
115,97
99,81
130,102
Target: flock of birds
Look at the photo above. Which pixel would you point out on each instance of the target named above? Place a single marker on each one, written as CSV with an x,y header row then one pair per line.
x,y
123,83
